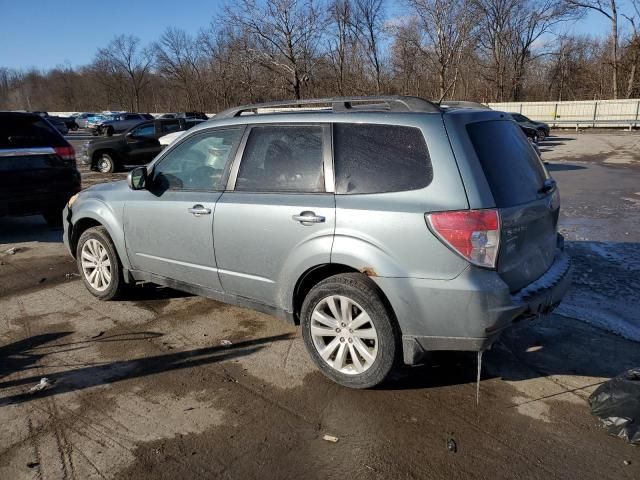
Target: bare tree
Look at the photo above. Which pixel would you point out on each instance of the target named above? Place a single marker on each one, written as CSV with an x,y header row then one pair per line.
x,y
286,33
446,26
179,58
610,11
341,41
368,22
128,64
634,45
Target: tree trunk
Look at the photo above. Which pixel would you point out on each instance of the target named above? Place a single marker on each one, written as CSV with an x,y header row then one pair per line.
x,y
614,34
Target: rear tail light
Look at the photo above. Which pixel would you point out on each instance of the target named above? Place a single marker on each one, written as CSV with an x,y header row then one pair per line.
x,y
67,154
473,234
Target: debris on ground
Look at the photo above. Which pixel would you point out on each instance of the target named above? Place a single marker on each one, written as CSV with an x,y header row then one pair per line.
x,y
617,403
225,343
627,462
101,333
43,384
42,280
71,275
12,251
33,464
330,438
452,446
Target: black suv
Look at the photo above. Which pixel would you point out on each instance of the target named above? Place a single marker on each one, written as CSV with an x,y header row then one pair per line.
x,y
38,171
139,145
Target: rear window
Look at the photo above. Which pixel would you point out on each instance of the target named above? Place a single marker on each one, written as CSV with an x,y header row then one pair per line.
x,y
27,131
380,158
513,170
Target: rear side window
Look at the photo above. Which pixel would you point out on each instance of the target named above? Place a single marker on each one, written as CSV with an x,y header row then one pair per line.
x,y
167,127
512,167
282,159
28,131
380,158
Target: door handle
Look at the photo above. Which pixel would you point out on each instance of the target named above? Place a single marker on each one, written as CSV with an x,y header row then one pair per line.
x,y
308,218
198,210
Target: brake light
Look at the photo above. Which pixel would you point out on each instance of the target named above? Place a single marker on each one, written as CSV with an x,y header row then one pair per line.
x,y
473,234
68,154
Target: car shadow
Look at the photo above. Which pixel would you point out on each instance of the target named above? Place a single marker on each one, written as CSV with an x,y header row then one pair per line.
x,y
561,167
31,228
110,372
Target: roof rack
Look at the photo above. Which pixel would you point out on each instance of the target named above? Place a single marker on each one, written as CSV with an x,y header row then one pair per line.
x,y
463,104
392,103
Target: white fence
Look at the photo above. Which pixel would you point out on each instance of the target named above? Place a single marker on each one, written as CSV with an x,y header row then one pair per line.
x,y
593,113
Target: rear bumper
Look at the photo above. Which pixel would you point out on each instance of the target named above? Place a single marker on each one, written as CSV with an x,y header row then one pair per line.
x,y
35,203
469,312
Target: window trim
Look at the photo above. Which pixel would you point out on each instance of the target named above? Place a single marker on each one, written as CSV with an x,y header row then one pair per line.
x,y
225,174
327,158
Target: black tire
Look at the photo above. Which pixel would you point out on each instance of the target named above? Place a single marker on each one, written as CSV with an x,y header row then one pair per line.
x,y
109,131
541,135
361,290
116,286
53,217
105,163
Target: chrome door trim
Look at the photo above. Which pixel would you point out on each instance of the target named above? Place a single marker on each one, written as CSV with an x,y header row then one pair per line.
x,y
18,152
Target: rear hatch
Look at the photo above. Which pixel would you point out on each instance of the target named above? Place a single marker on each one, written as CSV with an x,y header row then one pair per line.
x,y
36,162
526,197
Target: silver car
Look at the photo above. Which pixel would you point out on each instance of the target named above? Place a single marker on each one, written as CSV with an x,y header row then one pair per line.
x,y
386,227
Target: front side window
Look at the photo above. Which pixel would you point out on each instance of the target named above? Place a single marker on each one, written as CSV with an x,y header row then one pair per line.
x,y
198,163
145,131
132,117
380,158
282,159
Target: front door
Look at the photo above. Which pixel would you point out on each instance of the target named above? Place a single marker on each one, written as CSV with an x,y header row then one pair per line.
x,y
169,226
142,144
279,217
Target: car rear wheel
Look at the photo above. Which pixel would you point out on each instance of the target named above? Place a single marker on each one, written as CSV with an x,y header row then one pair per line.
x,y
105,163
349,332
99,265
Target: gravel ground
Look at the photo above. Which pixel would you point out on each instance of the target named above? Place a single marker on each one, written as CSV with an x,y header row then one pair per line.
x,y
143,388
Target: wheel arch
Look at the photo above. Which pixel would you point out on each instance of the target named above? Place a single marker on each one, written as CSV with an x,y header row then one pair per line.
x,y
318,273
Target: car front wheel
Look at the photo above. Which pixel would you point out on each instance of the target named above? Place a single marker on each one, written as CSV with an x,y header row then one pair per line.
x,y
99,265
349,332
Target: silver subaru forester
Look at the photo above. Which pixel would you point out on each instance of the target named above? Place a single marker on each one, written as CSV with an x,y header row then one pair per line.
x,y
387,227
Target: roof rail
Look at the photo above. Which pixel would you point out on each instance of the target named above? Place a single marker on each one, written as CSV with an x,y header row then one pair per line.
x,y
391,103
463,104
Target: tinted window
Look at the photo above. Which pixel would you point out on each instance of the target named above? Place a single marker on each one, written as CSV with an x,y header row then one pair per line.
x,y
512,167
166,127
282,159
144,131
380,158
197,163
17,131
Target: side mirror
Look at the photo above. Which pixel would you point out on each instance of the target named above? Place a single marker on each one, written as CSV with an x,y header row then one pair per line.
x,y
137,178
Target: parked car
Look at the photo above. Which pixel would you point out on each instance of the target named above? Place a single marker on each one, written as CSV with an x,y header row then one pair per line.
x,y
119,123
387,227
136,147
543,130
38,171
58,124
170,137
198,115
81,119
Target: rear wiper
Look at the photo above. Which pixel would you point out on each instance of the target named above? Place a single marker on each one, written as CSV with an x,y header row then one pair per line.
x,y
549,184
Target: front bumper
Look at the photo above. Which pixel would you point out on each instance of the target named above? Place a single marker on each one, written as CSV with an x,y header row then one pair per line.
x,y
469,312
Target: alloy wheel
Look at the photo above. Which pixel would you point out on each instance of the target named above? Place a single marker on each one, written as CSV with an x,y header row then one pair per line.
x,y
344,335
96,264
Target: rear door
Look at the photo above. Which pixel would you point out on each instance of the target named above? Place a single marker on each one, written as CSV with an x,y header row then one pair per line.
x,y
526,196
280,216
